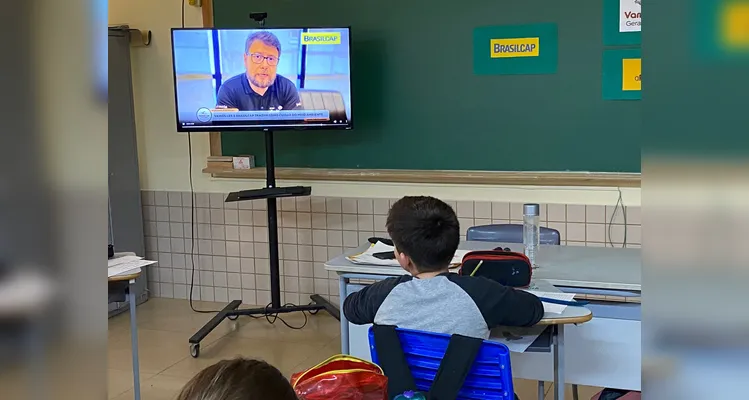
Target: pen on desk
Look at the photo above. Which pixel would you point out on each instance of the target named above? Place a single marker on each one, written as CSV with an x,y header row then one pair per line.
x,y
563,302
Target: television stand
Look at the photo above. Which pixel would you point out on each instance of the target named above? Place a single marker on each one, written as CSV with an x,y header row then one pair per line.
x,y
270,193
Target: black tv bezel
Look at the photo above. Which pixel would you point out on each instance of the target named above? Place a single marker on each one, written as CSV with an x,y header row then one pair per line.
x,y
259,128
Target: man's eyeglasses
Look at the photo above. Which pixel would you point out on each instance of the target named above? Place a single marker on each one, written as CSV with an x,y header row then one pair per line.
x,y
258,59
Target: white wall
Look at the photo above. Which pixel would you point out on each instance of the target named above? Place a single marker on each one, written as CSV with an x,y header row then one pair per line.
x,y
163,152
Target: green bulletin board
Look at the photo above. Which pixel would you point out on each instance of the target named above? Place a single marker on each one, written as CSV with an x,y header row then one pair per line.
x,y
419,105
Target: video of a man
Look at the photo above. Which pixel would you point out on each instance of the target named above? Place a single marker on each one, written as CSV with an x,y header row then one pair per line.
x,y
262,78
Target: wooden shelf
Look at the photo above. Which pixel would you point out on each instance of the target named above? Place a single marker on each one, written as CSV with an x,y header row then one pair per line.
x,y
597,179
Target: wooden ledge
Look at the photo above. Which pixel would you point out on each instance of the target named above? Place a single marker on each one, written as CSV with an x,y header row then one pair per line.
x,y
600,179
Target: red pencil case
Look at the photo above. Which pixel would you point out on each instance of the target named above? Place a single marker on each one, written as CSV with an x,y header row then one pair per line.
x,y
506,267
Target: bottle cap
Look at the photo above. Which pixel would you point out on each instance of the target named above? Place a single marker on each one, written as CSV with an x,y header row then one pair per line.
x,y
531,209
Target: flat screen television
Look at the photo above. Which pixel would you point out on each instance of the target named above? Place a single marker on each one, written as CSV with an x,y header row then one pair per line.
x,y
262,79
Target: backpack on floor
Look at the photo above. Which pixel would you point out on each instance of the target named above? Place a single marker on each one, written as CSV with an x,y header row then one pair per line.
x,y
617,394
341,377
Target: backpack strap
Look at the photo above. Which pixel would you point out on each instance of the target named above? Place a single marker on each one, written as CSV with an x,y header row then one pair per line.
x,y
456,364
454,368
392,360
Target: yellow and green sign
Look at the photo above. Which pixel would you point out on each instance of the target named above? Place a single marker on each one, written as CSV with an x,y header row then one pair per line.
x,y
723,33
515,49
321,38
735,25
631,74
622,74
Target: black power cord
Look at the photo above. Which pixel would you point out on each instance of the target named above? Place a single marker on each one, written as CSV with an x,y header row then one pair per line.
x,y
270,317
619,203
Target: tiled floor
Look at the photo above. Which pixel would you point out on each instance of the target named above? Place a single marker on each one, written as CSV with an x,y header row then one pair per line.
x,y
164,325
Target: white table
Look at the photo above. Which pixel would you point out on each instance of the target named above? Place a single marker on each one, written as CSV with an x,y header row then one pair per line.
x,y
602,352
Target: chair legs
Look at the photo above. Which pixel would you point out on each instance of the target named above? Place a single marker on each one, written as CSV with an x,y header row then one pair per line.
x,y
575,394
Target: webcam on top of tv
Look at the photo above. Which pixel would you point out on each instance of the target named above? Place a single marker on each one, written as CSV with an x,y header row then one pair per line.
x,y
259,17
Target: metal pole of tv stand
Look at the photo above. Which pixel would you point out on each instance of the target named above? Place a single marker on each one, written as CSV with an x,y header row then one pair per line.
x,y
270,193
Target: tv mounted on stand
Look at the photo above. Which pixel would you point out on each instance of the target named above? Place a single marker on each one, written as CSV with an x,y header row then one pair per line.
x,y
262,80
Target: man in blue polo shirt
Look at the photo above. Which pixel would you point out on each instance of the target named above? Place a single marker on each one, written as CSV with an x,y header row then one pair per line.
x,y
259,88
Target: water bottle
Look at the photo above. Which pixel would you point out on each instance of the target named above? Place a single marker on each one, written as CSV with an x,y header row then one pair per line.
x,y
531,231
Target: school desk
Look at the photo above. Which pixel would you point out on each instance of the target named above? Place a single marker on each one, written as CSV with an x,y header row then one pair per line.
x,y
603,352
116,282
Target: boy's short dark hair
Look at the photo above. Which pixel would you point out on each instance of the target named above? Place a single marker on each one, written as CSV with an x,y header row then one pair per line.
x,y
425,229
238,379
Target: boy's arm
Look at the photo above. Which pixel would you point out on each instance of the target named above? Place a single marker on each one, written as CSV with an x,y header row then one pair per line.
x,y
361,307
502,305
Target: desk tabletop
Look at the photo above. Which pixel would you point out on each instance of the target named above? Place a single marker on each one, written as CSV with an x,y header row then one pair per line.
x,y
573,266
132,274
570,315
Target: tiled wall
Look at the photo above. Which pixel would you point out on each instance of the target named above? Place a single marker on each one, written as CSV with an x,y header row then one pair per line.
x,y
231,240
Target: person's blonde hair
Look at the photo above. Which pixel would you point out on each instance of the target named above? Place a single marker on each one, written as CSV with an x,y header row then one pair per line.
x,y
238,379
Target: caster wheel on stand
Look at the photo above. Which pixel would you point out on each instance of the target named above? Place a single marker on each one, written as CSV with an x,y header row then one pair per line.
x,y
313,312
195,350
232,317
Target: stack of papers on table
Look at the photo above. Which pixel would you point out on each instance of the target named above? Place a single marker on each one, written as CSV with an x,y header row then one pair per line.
x,y
368,256
123,265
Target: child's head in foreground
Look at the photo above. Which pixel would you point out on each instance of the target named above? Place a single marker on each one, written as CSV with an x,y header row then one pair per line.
x,y
425,232
238,379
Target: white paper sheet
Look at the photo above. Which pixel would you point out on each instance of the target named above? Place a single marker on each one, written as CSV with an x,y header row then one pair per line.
x,y
122,260
516,339
368,256
551,307
132,263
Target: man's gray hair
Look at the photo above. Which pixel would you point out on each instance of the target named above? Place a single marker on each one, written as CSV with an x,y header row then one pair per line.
x,y
266,37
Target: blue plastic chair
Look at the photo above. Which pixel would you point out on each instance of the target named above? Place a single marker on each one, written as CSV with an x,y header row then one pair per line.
x,y
489,379
509,233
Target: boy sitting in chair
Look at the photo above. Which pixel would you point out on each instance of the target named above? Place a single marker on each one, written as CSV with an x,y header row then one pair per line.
x,y
426,233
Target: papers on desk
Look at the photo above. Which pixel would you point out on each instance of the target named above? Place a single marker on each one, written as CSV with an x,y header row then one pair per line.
x,y
368,256
123,265
516,339
550,307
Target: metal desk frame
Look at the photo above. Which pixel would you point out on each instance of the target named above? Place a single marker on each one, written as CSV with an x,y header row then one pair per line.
x,y
130,278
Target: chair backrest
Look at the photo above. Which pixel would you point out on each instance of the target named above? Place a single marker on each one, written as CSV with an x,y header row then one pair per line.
x,y
491,375
509,233
324,100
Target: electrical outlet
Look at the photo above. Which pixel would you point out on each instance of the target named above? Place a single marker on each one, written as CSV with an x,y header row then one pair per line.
x,y
196,3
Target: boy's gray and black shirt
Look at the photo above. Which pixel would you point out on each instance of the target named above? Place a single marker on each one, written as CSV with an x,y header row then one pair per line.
x,y
448,303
